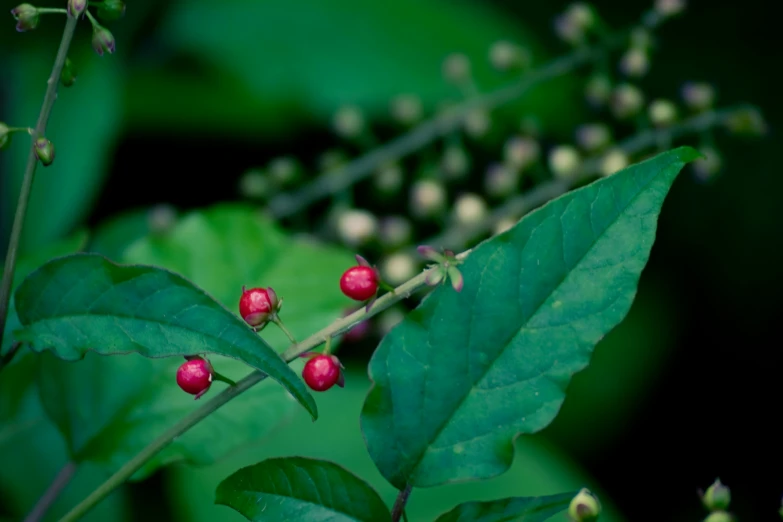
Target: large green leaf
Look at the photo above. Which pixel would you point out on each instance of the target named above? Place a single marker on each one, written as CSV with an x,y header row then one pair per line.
x,y
287,62
109,408
85,302
465,373
299,488
529,509
32,452
85,123
29,262
228,246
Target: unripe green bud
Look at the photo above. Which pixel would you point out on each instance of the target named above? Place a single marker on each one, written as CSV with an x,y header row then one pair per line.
x,y
698,96
584,507
635,62
26,16
44,150
593,136
613,161
500,180
573,24
428,198
348,122
456,68
520,152
598,90
388,178
717,497
284,170
5,135
254,184
406,109
669,7
102,40
477,123
506,56
705,168
356,227
68,74
76,8
455,162
399,267
111,10
161,218
719,516
469,209
747,121
395,231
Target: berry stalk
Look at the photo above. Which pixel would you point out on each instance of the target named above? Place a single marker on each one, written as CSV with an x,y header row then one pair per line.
x,y
29,173
295,350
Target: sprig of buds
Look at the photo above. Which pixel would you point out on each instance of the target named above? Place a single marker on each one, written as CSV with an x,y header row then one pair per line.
x,y
445,267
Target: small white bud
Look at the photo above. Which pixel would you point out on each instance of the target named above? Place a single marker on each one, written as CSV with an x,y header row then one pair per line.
x,y
669,7
705,168
395,231
355,227
503,225
662,113
504,56
428,198
593,136
254,184
348,122
456,68
627,100
406,109
519,152
469,209
331,159
161,218
698,96
613,161
564,161
398,268
455,162
477,123
635,62
572,25
500,180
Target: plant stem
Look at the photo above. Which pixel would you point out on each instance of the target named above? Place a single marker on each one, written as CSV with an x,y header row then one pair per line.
x,y
285,330
29,173
58,484
399,504
292,352
6,358
342,178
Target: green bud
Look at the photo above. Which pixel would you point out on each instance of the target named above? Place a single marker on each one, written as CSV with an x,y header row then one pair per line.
x,y
717,497
5,135
68,74
719,516
111,10
26,17
748,122
584,507
102,40
44,150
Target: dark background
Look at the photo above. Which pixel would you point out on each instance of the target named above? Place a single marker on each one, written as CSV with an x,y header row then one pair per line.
x,y
708,406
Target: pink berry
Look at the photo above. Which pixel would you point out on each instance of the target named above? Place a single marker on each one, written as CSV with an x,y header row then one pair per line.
x,y
359,282
322,372
195,376
258,305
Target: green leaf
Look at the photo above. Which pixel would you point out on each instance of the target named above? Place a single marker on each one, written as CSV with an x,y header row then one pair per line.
x,y
323,54
529,509
29,262
110,408
85,302
462,375
229,245
84,127
299,488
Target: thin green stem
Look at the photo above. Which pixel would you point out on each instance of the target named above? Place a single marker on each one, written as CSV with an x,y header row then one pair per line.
x,y
47,499
92,19
279,323
399,503
51,10
293,352
29,173
220,377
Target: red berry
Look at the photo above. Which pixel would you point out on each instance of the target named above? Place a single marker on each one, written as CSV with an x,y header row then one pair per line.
x,y
359,282
322,372
257,305
195,376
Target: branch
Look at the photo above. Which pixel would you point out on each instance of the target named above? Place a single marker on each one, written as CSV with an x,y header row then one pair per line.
x,y
58,484
29,173
293,352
